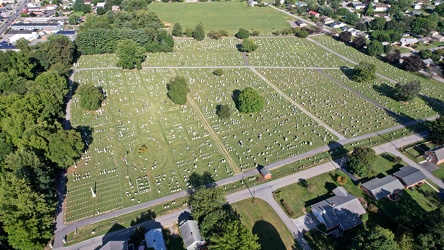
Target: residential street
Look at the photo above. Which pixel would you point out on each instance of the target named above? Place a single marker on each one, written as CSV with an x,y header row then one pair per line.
x,y
263,191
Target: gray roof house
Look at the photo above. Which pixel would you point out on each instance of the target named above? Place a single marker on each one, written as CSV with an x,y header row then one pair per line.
x,y
435,156
381,188
410,176
301,23
114,245
154,239
189,230
340,211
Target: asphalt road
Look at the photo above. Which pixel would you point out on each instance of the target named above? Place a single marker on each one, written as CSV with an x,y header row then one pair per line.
x,y
12,18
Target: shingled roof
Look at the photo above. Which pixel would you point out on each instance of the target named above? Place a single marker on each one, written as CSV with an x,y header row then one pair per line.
x,y
410,175
381,188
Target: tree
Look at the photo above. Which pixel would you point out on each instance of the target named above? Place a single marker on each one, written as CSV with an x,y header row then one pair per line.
x,y
359,42
64,147
100,11
250,101
375,48
408,91
375,238
345,36
413,63
351,18
91,97
369,9
199,32
242,34
393,56
178,90
218,72
378,23
77,6
301,33
213,222
223,111
73,19
437,130
130,54
248,45
205,201
177,30
361,161
364,72
425,53
189,32
234,236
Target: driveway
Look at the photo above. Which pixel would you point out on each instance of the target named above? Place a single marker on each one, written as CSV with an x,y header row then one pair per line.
x,y
306,222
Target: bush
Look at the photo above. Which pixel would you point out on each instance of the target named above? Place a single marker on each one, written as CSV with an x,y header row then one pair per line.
x,y
242,34
364,217
287,208
248,45
177,30
223,111
250,101
408,91
341,180
218,72
178,90
189,32
255,33
311,187
91,97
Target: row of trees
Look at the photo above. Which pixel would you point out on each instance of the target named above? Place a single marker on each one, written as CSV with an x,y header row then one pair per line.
x,y
219,224
33,144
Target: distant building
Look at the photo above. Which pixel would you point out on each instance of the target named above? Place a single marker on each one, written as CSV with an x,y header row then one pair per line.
x,y
300,4
300,23
71,34
100,5
336,25
189,231
408,41
340,211
359,6
264,172
415,13
37,26
4,46
381,7
382,188
410,176
437,2
314,13
435,156
115,8
328,20
154,239
417,6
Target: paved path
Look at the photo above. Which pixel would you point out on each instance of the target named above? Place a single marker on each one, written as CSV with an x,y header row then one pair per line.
x,y
213,67
337,134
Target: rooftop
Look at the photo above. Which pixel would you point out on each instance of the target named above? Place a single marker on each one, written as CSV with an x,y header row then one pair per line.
x,y
383,187
189,231
410,175
154,239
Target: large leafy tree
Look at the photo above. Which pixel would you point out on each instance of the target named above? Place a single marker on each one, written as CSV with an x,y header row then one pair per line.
x,y
413,63
437,130
359,42
361,161
375,48
178,90
64,147
408,91
345,36
91,97
250,101
199,32
242,34
56,53
364,72
234,236
177,30
205,201
248,45
130,54
375,238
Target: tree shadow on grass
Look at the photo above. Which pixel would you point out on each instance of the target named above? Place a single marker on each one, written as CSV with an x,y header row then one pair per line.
x,y
385,90
235,97
143,217
348,72
434,103
172,241
269,237
329,186
86,133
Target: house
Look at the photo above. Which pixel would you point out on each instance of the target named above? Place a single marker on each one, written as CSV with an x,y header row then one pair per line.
x,y
410,176
314,13
336,25
340,211
36,26
408,41
381,7
437,2
114,245
100,5
328,20
415,13
71,34
300,4
381,188
51,7
154,239
428,62
4,46
359,6
346,28
264,172
30,37
115,8
191,235
437,37
417,6
301,23
435,156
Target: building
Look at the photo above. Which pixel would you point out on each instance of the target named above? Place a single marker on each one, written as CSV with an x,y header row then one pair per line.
x,y
415,13
71,34
300,4
417,6
100,5
435,156
408,41
6,1
4,46
114,245
359,6
191,235
301,23
410,176
346,28
382,188
336,25
51,7
327,20
314,13
154,239
30,37
37,26
264,172
341,211
437,37
381,7
115,8
437,2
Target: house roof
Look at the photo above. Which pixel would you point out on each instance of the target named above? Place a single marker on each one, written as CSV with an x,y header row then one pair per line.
x,y
439,153
342,209
114,245
190,232
410,175
154,239
67,32
383,187
264,171
313,12
299,22
4,45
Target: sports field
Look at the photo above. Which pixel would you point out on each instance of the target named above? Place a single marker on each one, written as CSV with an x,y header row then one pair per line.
x,y
230,16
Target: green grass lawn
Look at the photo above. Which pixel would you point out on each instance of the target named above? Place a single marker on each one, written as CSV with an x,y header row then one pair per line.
x,y
230,16
440,172
261,219
299,197
416,151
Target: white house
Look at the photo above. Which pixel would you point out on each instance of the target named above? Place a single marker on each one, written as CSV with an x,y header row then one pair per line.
x,y
336,25
417,6
189,230
328,20
381,7
100,5
437,2
359,6
408,41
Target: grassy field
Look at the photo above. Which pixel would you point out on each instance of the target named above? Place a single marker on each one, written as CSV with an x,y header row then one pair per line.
x,y
229,16
260,218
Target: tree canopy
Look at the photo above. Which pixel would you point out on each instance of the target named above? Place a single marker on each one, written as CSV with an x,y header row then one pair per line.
x,y
178,90
130,54
413,63
361,161
437,130
234,236
177,30
199,32
223,111
364,72
250,101
408,91
91,97
242,34
248,45
375,238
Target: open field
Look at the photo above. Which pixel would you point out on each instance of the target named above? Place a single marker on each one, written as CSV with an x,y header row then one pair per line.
x,y
293,52
344,111
261,219
230,16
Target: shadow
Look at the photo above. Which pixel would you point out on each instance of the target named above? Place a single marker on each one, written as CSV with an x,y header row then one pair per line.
x,y
135,234
348,72
184,216
434,103
87,135
336,149
235,97
385,90
269,237
239,47
303,183
172,241
330,186
144,217
199,180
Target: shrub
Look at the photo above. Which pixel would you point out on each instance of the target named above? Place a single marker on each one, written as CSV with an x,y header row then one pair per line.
x,y
287,208
178,90
250,101
242,34
189,32
341,180
248,45
255,33
364,217
311,187
218,72
223,111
